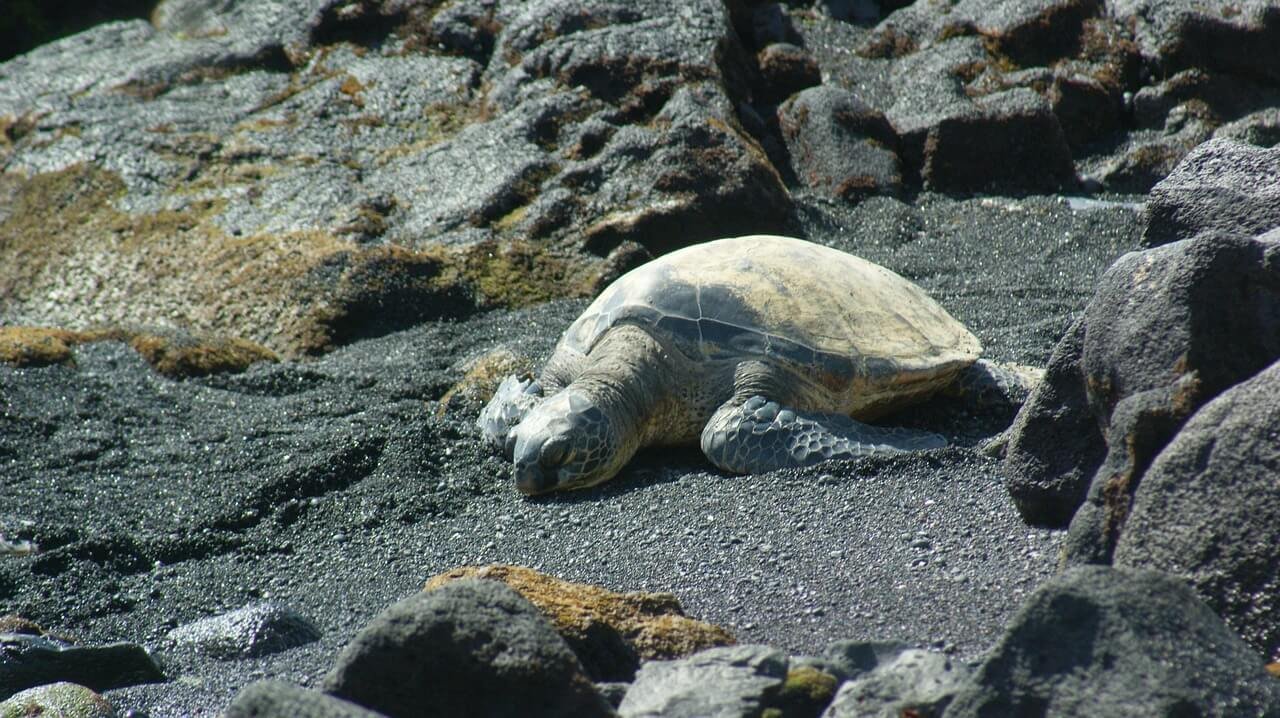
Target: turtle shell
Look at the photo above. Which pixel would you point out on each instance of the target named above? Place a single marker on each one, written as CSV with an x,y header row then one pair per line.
x,y
823,313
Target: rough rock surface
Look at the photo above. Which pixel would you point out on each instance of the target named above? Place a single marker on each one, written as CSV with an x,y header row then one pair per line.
x,y
914,682
1223,186
610,632
716,683
1208,510
57,700
27,661
1104,641
269,699
473,647
245,633
840,145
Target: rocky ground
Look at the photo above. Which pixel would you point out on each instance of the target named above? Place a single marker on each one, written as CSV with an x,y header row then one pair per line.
x,y
248,250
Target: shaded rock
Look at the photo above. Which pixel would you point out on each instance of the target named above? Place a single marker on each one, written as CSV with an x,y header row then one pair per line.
x,y
610,632
247,632
840,145
57,700
17,624
1167,330
1208,510
277,699
928,88
1012,142
785,69
718,682
914,682
1215,97
1221,186
1261,128
1146,157
1101,641
430,651
1240,38
613,691
850,659
27,661
1088,110
805,692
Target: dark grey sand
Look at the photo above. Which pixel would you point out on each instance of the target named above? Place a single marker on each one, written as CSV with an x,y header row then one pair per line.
x,y
331,486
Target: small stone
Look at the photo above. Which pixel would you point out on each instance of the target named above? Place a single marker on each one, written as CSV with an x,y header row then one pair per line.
x,y
248,632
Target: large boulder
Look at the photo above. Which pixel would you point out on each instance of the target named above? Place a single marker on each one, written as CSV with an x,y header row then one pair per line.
x,y
610,632
1222,186
1242,37
839,145
717,682
1208,510
472,647
1110,642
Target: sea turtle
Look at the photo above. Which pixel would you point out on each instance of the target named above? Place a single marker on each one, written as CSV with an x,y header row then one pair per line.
x,y
765,350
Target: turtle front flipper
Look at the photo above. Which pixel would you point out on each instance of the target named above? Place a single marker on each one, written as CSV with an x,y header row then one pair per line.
x,y
513,400
757,435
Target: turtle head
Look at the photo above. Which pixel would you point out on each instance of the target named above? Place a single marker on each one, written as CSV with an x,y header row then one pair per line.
x,y
566,442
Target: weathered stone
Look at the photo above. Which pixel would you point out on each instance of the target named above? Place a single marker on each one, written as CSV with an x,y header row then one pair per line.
x,y
929,88
57,700
610,632
850,659
289,173
716,683
1105,642
785,69
1261,128
1221,186
1208,509
1167,330
805,692
1087,110
277,699
839,145
1012,141
1240,38
247,632
1146,157
473,647
27,661
1216,98
915,682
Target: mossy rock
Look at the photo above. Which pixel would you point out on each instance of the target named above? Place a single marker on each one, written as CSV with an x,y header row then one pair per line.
x,y
483,374
179,357
36,346
805,693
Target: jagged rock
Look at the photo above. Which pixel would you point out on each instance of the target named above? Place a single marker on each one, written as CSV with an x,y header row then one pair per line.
x,y
472,647
1222,186
1167,330
247,632
1012,142
57,700
786,69
1215,97
928,88
291,172
28,660
1146,157
840,145
1208,509
1106,642
1261,128
1240,38
277,699
913,682
610,632
1088,110
716,683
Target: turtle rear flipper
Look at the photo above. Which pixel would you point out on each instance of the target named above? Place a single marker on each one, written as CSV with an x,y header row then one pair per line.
x,y
514,399
760,435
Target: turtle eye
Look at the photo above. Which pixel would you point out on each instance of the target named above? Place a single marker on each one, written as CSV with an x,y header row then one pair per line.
x,y
553,452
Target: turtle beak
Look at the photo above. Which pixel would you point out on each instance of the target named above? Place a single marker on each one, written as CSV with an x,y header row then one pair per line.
x,y
531,479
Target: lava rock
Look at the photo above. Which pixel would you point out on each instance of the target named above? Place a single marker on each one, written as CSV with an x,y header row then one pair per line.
x,y
1242,39
610,632
839,144
277,699
1167,330
1221,186
472,647
247,632
1011,142
785,69
57,700
721,682
27,661
1208,510
914,682
1105,642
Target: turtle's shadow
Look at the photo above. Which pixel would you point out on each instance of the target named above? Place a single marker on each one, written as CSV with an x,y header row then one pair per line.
x,y
650,467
